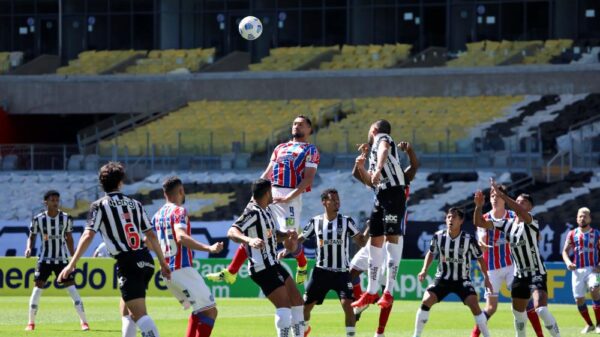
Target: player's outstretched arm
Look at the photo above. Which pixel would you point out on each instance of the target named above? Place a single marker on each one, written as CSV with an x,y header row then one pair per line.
x,y
84,242
511,203
191,243
484,271
237,236
426,263
565,254
478,219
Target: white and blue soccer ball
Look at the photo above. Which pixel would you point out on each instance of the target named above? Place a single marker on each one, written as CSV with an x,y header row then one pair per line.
x,y
250,28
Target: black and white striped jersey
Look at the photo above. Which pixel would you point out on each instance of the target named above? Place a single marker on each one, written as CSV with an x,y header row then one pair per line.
x,y
53,232
257,222
120,220
333,240
524,249
454,255
392,173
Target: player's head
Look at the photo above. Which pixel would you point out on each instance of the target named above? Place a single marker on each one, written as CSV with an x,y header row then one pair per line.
x,y
111,176
301,128
584,217
496,201
380,126
52,200
455,217
330,200
173,190
526,201
261,191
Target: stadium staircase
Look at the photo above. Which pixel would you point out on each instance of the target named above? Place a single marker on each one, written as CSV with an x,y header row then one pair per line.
x,y
235,61
293,58
43,64
430,57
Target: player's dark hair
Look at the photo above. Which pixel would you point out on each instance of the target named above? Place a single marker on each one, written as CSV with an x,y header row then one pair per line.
x,y
325,194
110,176
458,211
502,188
383,126
527,197
308,121
170,184
51,193
260,187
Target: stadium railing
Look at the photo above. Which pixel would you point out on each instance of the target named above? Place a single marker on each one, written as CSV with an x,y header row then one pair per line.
x,y
36,156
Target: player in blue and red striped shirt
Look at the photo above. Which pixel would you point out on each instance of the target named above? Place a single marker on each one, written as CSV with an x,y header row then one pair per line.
x,y
584,242
174,234
496,254
291,170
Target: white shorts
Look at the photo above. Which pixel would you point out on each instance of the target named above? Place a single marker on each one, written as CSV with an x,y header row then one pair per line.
x,y
582,280
189,288
288,214
360,261
497,276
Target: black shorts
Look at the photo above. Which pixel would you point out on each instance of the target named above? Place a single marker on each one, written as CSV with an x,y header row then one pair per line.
x,y
323,280
134,271
43,271
442,288
387,217
270,279
522,287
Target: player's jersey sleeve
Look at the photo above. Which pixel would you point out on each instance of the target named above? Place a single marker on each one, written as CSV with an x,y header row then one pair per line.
x,y
312,157
534,223
180,219
309,229
94,219
433,245
246,221
474,249
145,224
34,226
352,229
69,227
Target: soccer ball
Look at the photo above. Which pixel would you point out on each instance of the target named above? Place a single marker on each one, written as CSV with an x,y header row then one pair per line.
x,y
250,28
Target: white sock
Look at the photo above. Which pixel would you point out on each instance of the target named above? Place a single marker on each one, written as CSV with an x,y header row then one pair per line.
x,y
77,303
127,326
549,321
420,320
147,326
375,260
34,301
481,322
283,321
298,320
394,256
520,322
350,331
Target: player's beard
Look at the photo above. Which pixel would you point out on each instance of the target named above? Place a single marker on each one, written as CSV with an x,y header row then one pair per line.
x,y
297,135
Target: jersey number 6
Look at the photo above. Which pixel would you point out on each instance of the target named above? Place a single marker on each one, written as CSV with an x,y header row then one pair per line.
x,y
133,238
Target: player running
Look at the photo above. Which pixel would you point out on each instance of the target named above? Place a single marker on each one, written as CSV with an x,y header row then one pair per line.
x,y
291,170
174,234
455,249
257,229
496,254
584,242
530,273
56,228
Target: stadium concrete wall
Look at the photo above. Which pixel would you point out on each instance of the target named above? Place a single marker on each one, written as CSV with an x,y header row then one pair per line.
x,y
97,277
53,94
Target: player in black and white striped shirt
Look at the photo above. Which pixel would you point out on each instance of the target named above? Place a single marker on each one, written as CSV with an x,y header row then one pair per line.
x,y
55,228
387,179
333,232
258,230
455,250
122,221
530,274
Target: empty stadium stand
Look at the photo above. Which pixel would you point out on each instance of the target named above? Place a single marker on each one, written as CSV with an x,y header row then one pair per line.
x,y
293,58
94,62
493,53
548,51
368,57
10,60
164,61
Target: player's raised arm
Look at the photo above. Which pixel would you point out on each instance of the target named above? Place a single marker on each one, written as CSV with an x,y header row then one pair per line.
x,y
411,170
478,219
511,203
358,171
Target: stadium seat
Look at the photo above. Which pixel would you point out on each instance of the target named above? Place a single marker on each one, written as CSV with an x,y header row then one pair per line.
x,y
164,61
368,57
492,53
291,58
94,62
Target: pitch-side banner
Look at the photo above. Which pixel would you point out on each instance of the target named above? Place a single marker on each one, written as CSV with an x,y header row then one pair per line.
x,y
97,277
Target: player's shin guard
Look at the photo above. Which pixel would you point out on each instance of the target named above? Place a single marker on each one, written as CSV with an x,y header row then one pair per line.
x,y
298,320
238,260
375,260
596,307
520,322
534,320
350,331
147,326
77,303
384,314
127,327
283,322
584,312
34,301
205,325
549,321
481,322
421,320
299,255
394,255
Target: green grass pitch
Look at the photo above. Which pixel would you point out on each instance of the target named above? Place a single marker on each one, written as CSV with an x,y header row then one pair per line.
x,y
254,317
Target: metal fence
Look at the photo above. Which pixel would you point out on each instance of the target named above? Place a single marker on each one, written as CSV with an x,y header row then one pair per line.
x,y
36,156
